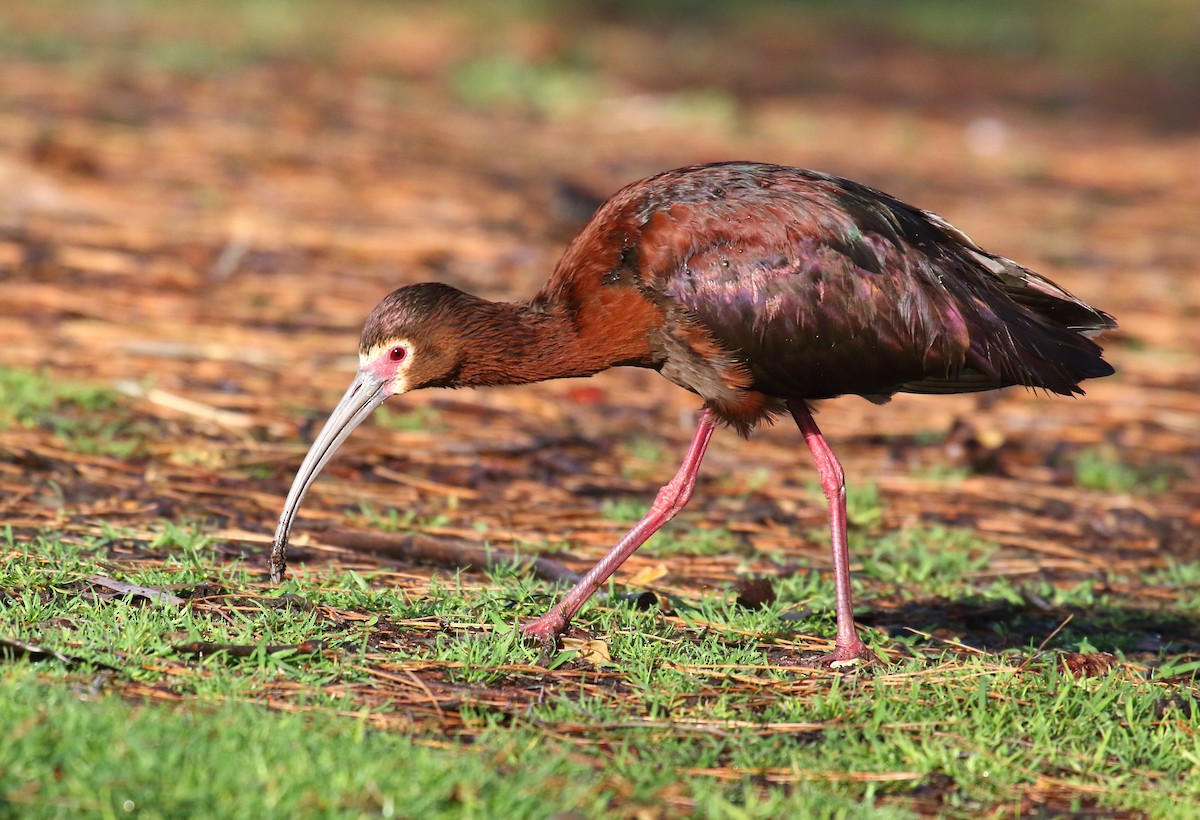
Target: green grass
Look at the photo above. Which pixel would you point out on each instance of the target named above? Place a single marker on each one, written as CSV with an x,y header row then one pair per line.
x,y
86,418
549,90
1184,579
186,37
674,539
694,541
420,419
68,750
133,725
393,520
864,508
624,510
1105,35
195,38
1088,33
1104,470
926,560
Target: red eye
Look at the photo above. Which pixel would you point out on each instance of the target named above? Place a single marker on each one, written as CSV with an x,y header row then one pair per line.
x,y
398,353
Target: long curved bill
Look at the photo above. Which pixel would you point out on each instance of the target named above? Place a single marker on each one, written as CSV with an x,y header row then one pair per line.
x,y
365,394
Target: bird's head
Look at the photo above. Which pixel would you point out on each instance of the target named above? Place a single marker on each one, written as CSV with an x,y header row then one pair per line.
x,y
412,339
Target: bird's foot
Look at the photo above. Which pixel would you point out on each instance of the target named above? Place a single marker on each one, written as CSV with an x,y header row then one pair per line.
x,y
845,657
546,631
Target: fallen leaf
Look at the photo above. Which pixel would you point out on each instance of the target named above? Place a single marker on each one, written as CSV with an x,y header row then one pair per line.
x,y
149,593
592,651
11,648
755,593
647,576
1087,665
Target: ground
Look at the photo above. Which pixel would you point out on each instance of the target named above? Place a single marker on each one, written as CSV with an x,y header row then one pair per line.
x,y
199,211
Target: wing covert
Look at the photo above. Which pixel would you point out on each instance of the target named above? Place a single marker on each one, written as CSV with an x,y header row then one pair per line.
x,y
814,321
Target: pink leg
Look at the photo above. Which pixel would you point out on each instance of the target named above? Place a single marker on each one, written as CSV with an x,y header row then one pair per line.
x,y
670,500
848,647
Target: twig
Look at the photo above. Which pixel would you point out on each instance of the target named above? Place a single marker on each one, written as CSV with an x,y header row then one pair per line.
x,y
445,552
154,594
1045,641
202,648
11,648
957,644
462,493
231,256
1057,629
190,407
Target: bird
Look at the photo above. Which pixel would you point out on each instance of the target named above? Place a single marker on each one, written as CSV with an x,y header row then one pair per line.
x,y
761,289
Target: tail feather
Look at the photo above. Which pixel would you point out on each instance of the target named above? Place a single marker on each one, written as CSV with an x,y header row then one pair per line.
x,y
1047,299
1029,332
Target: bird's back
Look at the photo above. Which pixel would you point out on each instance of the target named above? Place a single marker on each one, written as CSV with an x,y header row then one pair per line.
x,y
796,284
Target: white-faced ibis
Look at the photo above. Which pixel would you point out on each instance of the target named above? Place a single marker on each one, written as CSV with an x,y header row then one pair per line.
x,y
760,288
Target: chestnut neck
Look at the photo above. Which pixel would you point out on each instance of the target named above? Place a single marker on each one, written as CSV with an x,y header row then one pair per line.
x,y
522,342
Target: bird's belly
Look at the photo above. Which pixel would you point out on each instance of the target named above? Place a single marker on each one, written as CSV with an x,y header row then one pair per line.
x,y
808,373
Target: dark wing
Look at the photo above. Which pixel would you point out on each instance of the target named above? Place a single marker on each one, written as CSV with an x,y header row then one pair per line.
x,y
822,287
812,323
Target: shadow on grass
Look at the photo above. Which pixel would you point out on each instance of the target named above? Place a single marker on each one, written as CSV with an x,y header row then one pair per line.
x,y
996,626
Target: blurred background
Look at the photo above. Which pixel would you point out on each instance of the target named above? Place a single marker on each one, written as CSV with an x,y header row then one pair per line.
x,y
200,201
